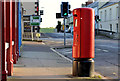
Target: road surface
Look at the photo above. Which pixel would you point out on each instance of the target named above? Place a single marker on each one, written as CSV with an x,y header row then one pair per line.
x,y
106,53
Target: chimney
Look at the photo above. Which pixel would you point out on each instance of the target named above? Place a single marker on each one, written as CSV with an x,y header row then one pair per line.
x,y
89,2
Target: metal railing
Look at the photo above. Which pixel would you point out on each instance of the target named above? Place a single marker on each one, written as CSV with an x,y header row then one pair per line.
x,y
29,35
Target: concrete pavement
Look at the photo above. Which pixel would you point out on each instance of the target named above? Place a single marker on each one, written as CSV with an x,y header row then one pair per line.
x,y
38,62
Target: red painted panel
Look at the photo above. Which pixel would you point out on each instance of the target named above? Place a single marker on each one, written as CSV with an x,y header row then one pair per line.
x,y
83,40
17,50
0,38
14,33
9,37
4,71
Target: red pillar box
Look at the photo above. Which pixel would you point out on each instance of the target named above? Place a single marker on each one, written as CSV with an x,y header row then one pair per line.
x,y
9,37
4,66
83,42
14,33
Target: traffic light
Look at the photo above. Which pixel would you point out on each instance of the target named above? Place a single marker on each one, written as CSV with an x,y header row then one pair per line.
x,y
69,11
64,9
41,12
97,18
37,8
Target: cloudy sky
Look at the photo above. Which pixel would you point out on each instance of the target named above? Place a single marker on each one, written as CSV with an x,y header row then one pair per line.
x,y
51,7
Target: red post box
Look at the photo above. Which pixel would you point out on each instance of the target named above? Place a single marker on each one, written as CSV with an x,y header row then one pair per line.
x,y
83,42
9,37
14,32
4,69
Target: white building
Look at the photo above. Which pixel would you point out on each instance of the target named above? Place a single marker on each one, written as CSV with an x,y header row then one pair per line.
x,y
119,18
95,6
29,7
109,17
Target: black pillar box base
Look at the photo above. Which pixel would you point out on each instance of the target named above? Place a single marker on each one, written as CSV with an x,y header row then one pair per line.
x,y
83,67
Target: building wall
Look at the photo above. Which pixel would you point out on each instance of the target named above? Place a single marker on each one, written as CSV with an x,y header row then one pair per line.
x,y
96,13
29,7
119,17
109,16
101,2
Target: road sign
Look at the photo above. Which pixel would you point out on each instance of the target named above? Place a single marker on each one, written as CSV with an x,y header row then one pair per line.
x,y
58,15
35,20
37,34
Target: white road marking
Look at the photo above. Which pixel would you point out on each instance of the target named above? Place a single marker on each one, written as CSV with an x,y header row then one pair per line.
x,y
108,46
43,43
61,55
69,52
105,50
98,49
101,50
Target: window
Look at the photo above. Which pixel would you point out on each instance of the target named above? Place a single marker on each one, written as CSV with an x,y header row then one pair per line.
x,y
110,14
110,27
116,12
105,14
101,26
101,15
117,27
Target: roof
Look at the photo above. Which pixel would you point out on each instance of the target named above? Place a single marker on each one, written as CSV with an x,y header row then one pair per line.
x,y
92,5
108,4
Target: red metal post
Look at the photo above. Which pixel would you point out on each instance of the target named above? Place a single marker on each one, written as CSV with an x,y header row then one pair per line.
x,y
4,70
17,38
9,37
14,33
0,38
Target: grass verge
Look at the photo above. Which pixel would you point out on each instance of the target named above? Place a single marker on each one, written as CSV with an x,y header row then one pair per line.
x,y
47,30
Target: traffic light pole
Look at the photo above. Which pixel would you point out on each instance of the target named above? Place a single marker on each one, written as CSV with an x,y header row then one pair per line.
x,y
64,32
32,32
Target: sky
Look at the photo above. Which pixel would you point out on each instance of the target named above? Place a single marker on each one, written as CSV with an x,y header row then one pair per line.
x,y
51,7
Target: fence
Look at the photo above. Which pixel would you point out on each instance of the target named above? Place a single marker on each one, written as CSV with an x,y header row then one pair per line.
x,y
29,35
